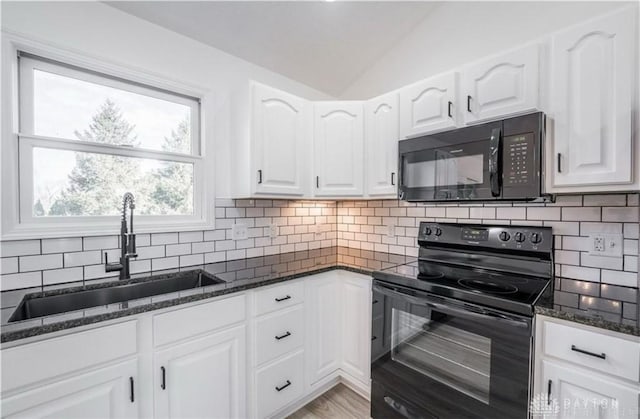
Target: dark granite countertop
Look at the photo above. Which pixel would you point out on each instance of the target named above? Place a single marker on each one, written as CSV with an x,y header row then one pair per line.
x,y
588,318
547,308
238,275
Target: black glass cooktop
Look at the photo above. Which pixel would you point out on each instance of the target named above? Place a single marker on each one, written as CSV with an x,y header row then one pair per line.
x,y
512,292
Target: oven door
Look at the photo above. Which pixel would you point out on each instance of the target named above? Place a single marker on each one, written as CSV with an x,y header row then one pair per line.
x,y
442,358
458,165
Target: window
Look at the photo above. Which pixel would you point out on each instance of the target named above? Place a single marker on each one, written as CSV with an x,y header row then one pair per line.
x,y
86,138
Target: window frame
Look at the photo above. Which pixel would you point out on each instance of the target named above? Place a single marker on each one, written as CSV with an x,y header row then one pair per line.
x,y
18,221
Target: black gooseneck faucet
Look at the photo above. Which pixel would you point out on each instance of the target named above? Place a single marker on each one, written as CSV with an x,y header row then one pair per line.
x,y
127,240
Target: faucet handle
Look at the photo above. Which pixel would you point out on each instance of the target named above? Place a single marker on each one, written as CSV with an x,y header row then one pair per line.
x,y
110,267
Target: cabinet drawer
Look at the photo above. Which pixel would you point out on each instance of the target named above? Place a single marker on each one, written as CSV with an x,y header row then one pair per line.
x,y
191,321
278,297
606,353
377,305
27,364
279,333
279,384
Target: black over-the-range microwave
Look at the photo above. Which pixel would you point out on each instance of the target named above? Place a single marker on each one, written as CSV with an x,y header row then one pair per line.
x,y
500,160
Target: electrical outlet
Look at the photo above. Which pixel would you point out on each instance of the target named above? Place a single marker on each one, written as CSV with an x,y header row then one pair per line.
x,y
273,231
609,245
391,231
239,232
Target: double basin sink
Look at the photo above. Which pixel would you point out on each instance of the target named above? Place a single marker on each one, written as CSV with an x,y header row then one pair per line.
x,y
39,306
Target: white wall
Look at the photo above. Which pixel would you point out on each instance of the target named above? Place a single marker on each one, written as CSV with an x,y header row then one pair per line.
x,y
103,32
457,33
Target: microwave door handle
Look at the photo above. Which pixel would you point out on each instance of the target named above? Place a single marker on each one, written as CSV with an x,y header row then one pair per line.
x,y
495,161
448,309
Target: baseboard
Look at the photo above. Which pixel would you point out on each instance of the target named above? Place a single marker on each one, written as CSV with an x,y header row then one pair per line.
x,y
356,385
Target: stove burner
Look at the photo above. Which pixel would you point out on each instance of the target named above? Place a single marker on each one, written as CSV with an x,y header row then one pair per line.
x,y
486,286
425,276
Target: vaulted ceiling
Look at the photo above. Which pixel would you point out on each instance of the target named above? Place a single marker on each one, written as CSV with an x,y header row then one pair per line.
x,y
325,45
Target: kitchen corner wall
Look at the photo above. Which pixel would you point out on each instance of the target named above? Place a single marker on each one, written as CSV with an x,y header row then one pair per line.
x,y
303,225
608,286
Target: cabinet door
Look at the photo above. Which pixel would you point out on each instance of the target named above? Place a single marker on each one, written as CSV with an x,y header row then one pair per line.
x,y
281,137
338,149
592,102
323,293
381,144
203,378
356,325
429,105
108,392
582,394
501,85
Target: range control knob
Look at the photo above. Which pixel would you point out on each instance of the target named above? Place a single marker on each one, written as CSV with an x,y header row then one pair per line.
x,y
438,232
519,237
504,236
427,231
535,238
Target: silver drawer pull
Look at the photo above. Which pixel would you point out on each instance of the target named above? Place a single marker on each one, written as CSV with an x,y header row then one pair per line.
x,y
582,351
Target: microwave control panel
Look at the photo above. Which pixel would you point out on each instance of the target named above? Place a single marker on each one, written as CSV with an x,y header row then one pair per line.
x,y
517,165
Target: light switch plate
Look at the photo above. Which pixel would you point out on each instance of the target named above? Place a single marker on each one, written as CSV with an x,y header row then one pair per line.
x,y
239,232
609,245
391,231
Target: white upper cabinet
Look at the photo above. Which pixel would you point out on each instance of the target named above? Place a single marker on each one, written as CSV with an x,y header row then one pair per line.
x,y
280,140
502,85
338,149
271,133
429,105
593,79
381,144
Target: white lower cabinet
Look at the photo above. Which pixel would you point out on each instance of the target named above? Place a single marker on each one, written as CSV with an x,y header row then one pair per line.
x,y
324,317
203,377
356,325
584,373
582,394
108,392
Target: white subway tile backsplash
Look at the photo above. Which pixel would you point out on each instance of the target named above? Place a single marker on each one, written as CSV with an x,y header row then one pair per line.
x,y
139,266
190,236
165,263
82,258
601,261
97,271
511,213
543,213
21,280
150,252
102,242
608,200
624,214
482,212
457,212
164,238
581,214
61,245
579,272
40,262
59,276
625,279
631,230
19,248
190,260
178,249
8,265
631,263
587,229
630,247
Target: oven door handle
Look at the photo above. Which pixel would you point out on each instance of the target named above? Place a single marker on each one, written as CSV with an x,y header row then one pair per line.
x,y
467,311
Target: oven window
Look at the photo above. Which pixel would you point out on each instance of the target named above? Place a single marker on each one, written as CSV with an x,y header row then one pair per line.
x,y
432,344
445,170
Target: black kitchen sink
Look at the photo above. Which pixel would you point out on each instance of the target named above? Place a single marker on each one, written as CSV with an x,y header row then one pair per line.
x,y
32,307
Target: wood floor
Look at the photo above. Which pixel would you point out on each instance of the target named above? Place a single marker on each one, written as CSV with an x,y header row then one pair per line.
x,y
339,402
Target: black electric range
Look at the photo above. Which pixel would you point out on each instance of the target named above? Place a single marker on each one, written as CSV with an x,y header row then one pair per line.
x,y
452,332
